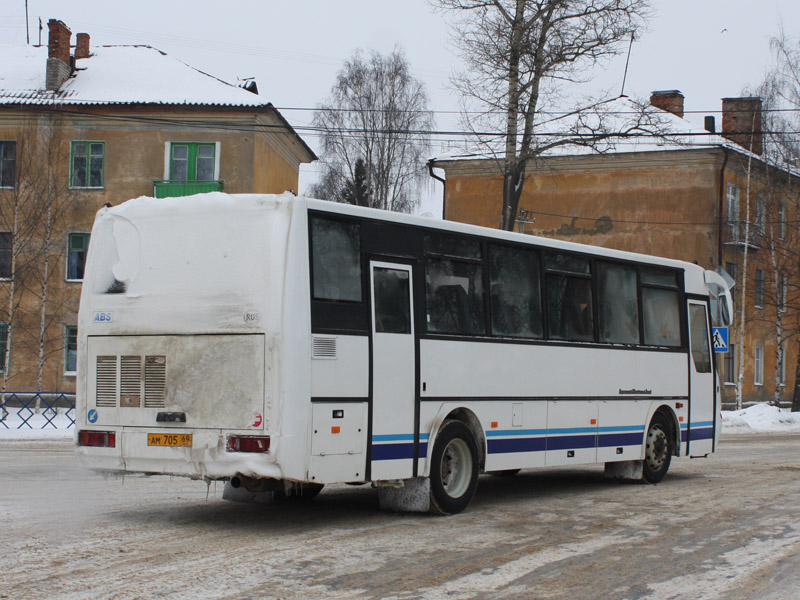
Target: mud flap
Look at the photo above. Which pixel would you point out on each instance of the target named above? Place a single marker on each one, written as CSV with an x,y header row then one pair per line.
x,y
413,496
626,469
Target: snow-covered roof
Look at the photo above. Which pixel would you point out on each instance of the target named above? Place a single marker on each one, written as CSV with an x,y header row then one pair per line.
x,y
116,75
622,114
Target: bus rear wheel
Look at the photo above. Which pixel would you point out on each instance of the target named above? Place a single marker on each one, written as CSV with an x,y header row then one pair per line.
x,y
454,469
657,450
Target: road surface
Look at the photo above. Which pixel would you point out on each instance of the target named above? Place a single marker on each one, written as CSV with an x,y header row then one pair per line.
x,y
723,527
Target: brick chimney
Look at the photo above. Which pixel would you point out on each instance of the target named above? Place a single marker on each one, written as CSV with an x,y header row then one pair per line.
x,y
741,123
82,45
668,100
58,60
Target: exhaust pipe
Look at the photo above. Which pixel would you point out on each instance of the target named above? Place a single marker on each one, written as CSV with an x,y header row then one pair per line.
x,y
251,484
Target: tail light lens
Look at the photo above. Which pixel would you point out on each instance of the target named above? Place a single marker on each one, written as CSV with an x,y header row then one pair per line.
x,y
248,443
98,439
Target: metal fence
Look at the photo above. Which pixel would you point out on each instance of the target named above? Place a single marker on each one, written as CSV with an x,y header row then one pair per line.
x,y
54,410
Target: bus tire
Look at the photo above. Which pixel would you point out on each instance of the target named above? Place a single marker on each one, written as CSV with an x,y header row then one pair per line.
x,y
658,447
454,469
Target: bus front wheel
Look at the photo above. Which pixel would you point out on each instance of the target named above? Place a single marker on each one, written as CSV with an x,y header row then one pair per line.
x,y
454,469
658,449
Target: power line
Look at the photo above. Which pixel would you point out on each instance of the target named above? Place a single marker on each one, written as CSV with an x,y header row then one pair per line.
x,y
231,125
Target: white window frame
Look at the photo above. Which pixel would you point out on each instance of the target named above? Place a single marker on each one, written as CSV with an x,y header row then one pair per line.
x,y
733,374
781,221
733,203
68,373
758,366
758,283
761,211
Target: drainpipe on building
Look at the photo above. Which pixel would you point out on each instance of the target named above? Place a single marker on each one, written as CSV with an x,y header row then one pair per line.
x,y
444,183
721,206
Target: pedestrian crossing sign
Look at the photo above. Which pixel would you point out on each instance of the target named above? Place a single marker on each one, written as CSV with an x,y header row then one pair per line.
x,y
719,338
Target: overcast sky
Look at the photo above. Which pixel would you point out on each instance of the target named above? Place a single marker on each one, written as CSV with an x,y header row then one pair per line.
x,y
708,49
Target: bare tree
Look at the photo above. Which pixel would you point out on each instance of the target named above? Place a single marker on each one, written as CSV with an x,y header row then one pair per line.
x,y
32,213
377,114
780,94
519,53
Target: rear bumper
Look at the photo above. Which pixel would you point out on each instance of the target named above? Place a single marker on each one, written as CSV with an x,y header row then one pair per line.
x,y
206,458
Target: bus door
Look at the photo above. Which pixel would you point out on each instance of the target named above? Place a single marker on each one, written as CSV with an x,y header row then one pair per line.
x,y
702,400
393,371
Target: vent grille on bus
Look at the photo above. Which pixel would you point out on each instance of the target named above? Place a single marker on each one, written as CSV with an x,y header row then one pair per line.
x,y
106,382
130,389
155,381
323,347
135,391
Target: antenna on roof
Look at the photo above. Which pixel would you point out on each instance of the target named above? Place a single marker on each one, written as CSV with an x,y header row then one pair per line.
x,y
27,29
40,31
627,61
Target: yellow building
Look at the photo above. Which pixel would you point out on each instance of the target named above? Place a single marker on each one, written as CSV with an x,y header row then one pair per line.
x,y
82,126
687,201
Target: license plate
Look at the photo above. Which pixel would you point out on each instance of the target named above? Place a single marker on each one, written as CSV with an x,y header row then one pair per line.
x,y
169,439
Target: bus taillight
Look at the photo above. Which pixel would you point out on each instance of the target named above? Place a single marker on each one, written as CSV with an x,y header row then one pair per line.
x,y
98,439
248,443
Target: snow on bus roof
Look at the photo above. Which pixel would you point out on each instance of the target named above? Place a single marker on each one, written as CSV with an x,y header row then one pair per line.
x,y
220,202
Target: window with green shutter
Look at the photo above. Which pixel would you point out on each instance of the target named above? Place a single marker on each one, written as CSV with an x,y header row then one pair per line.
x,y
192,162
77,247
87,164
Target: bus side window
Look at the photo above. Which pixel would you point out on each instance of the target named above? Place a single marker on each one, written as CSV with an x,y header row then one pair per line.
x,y
336,260
454,297
454,285
570,313
698,334
618,303
660,308
516,298
392,309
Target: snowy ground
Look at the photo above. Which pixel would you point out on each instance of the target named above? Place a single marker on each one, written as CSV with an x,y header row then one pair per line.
x,y
722,528
760,418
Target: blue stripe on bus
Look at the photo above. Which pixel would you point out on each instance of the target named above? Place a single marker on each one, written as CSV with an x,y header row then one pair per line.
x,y
526,444
621,439
701,433
392,451
536,440
398,437
398,451
504,432
571,441
637,428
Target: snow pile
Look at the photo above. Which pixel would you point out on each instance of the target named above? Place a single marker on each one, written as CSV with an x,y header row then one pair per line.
x,y
15,420
760,418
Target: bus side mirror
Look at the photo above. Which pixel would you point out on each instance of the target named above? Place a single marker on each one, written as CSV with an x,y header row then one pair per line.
x,y
721,300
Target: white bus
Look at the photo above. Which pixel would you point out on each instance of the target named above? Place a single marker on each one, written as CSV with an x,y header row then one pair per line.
x,y
281,343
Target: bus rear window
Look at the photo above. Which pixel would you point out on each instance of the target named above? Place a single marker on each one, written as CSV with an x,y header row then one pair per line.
x,y
336,260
